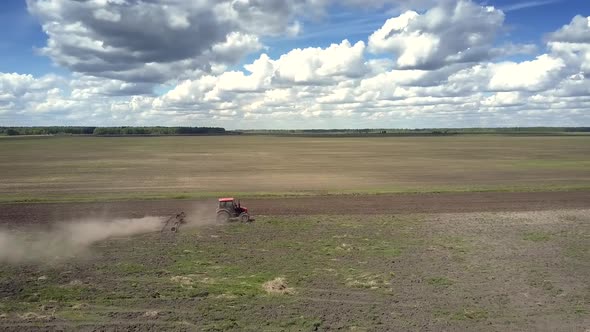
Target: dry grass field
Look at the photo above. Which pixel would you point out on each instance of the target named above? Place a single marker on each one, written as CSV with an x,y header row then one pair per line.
x,y
91,168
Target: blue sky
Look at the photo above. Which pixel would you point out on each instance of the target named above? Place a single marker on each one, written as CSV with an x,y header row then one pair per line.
x,y
142,83
21,34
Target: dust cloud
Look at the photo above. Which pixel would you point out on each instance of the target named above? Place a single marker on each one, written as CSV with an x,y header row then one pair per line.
x,y
72,239
66,240
201,215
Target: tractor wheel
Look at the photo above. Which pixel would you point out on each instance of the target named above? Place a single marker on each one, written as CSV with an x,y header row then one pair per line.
x,y
222,217
244,217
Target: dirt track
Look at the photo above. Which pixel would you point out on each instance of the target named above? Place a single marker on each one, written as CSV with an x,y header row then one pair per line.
x,y
381,204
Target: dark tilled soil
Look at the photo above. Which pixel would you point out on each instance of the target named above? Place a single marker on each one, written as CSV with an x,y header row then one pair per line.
x,y
329,205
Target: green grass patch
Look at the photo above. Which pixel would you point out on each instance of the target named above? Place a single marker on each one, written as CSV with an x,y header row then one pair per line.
x,y
578,250
580,309
470,314
44,293
440,282
10,306
206,287
130,268
537,236
81,316
456,245
9,198
197,274
385,249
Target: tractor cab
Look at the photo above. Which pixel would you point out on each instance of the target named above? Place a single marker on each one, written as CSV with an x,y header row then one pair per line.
x,y
231,209
228,204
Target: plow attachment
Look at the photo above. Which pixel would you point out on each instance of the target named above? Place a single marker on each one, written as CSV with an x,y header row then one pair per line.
x,y
173,223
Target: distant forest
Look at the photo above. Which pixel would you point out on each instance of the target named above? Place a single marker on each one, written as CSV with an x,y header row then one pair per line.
x,y
111,131
172,131
425,132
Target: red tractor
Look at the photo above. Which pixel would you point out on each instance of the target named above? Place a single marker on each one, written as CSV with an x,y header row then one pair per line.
x,y
229,210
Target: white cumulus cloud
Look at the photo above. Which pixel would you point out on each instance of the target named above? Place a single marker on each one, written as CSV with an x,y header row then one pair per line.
x,y
433,64
451,32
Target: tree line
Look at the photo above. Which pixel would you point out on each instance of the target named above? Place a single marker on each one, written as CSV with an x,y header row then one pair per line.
x,y
421,131
170,131
111,131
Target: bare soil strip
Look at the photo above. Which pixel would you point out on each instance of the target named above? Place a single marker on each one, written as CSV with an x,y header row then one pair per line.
x,y
329,205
